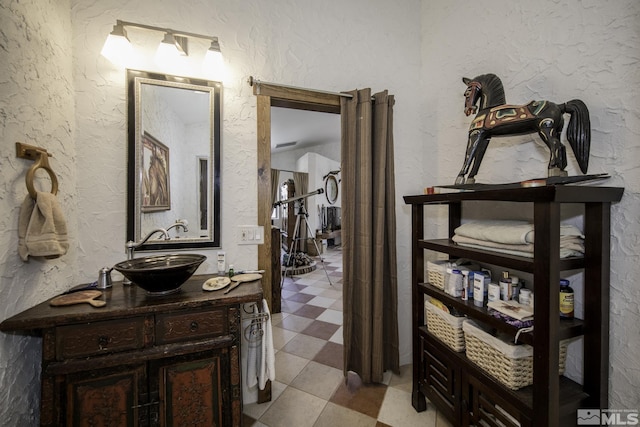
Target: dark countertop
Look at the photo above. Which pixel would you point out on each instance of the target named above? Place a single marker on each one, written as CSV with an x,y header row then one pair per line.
x,y
128,301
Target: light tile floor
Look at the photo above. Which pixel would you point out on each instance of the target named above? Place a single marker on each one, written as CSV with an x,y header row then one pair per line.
x,y
309,389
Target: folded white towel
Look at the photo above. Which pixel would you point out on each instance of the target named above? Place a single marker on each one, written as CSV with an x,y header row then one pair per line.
x,y
564,252
42,228
513,232
500,231
267,367
567,244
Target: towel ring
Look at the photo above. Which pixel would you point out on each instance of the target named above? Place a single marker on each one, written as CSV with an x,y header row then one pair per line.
x,y
41,162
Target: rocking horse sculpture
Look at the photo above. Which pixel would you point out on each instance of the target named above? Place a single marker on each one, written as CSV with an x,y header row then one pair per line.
x,y
495,118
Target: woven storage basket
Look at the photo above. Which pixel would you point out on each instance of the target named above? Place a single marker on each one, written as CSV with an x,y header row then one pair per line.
x,y
435,273
510,364
446,327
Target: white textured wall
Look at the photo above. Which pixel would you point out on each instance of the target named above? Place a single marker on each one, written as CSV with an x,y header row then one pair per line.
x,y
556,50
36,107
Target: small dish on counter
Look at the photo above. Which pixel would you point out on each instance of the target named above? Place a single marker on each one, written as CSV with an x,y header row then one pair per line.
x,y
216,283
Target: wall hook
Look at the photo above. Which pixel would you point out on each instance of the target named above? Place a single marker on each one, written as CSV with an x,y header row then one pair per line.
x,y
40,156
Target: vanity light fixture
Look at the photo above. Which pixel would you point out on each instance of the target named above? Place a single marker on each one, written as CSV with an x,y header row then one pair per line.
x,y
213,57
118,49
171,49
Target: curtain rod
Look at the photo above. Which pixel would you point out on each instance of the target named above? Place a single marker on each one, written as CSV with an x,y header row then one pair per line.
x,y
285,170
253,81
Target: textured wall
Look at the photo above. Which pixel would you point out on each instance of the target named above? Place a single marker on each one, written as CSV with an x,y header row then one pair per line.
x,y
556,50
36,107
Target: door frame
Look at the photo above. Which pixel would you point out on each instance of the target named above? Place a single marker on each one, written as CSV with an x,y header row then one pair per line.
x,y
272,95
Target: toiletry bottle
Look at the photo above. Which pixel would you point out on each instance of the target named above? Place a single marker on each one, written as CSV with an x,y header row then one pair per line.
x,y
524,297
505,286
222,265
454,284
515,287
566,300
467,291
480,290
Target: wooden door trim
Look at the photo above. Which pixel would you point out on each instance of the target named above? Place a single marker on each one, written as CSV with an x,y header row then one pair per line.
x,y
268,95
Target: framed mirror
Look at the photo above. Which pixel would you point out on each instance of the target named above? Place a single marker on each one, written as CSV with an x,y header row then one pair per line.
x,y
173,160
331,189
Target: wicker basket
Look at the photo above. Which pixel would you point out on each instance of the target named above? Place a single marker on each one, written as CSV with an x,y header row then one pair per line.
x,y
446,327
435,273
510,364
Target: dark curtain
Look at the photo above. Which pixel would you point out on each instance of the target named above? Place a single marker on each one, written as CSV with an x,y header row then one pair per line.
x,y
370,283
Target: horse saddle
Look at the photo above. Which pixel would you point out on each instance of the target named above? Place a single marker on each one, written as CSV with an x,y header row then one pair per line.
x,y
503,114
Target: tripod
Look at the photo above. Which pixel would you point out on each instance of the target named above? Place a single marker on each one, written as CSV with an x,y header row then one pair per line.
x,y
301,220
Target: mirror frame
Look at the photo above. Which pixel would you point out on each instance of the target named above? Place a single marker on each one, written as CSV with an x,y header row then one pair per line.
x,y
134,79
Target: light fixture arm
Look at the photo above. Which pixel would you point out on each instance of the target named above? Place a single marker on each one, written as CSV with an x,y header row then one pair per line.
x,y
166,30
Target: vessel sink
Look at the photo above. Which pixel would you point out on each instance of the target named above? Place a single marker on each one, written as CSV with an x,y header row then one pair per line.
x,y
160,274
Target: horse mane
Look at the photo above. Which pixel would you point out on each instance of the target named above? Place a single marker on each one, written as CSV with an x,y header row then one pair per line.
x,y
492,88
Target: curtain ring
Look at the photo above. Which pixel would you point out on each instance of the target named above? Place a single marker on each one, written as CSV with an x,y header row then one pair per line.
x,y
43,163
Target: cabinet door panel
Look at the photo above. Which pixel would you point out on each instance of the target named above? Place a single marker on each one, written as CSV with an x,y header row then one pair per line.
x,y
442,379
192,389
107,397
486,407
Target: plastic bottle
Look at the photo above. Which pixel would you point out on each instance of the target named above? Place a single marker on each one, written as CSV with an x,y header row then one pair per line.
x,y
515,287
566,300
505,286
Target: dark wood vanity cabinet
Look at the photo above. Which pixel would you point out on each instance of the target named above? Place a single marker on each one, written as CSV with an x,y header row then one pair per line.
x,y
461,390
142,361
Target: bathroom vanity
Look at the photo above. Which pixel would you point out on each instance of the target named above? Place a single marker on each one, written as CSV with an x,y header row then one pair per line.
x,y
142,360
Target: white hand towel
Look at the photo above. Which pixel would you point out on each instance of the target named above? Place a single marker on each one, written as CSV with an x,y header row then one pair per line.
x,y
252,354
42,228
267,368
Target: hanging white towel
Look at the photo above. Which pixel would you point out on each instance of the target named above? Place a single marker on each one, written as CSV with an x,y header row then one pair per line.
x,y
267,367
42,229
253,345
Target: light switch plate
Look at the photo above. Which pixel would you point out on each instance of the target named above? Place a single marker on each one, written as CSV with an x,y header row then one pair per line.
x,y
250,234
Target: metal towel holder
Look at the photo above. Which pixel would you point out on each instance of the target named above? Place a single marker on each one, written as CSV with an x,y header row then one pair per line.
x,y
40,156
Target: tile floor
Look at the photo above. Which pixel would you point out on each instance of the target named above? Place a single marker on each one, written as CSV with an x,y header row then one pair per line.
x,y
309,389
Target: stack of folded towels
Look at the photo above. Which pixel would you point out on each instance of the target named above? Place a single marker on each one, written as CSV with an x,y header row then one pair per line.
x,y
515,237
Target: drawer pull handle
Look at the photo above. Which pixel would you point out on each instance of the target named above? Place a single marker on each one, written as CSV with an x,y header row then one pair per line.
x,y
194,326
103,341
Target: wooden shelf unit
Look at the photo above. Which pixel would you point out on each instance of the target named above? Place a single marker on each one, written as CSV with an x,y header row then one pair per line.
x,y
458,387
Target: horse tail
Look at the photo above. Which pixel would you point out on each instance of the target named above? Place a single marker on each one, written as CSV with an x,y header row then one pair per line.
x,y
579,131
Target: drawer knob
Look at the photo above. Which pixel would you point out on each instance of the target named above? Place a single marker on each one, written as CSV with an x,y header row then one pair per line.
x,y
103,341
194,326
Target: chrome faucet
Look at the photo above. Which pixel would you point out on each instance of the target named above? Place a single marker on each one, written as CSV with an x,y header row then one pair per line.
x,y
131,246
179,223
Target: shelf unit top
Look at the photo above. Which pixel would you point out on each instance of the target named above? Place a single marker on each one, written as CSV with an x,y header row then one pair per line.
x,y
549,193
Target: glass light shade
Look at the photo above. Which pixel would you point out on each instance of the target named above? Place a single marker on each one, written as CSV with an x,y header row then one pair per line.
x,y
117,49
168,51
212,65
212,60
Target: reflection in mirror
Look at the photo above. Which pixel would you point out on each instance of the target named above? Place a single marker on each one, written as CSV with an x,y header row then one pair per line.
x,y
174,160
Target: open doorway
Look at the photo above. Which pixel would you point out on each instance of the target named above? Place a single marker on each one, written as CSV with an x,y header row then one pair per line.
x,y
317,328
268,96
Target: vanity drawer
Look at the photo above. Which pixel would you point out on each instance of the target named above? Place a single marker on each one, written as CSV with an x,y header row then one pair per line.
x,y
189,325
99,338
